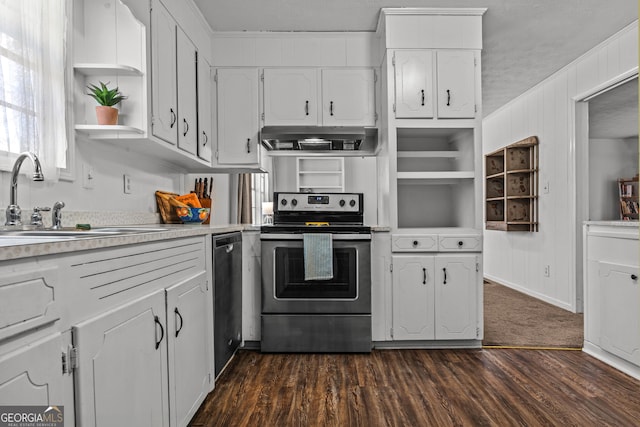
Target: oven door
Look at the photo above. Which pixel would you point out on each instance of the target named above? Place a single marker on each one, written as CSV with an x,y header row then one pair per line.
x,y
284,289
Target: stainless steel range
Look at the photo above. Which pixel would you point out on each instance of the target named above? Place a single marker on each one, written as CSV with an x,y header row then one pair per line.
x,y
316,274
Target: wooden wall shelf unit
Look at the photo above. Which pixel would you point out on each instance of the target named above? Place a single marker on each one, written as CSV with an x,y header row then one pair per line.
x,y
511,187
628,195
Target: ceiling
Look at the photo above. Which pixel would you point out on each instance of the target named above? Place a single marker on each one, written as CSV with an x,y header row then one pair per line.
x,y
525,41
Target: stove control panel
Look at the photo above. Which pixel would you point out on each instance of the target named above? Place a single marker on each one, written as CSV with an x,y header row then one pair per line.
x,y
318,202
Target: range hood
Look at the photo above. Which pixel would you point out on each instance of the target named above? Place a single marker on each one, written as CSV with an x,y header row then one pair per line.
x,y
325,140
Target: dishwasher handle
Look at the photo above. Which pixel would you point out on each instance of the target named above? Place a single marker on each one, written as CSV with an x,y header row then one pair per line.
x,y
229,248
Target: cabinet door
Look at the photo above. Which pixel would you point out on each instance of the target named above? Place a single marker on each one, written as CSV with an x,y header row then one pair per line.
x,y
190,341
123,360
414,83
33,376
348,98
164,97
290,97
413,302
237,115
205,118
456,84
619,308
187,96
456,297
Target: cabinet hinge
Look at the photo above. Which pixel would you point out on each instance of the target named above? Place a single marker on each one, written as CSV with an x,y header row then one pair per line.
x,y
391,268
216,154
477,266
206,282
475,62
375,76
391,332
262,115
262,76
209,378
375,117
477,332
475,108
70,360
394,107
215,77
393,59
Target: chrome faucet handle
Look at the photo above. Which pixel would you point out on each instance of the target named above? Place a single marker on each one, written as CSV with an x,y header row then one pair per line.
x,y
14,215
36,216
56,216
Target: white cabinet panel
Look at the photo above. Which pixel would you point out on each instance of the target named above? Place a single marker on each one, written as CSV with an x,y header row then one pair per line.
x,y
190,343
348,97
33,376
164,83
415,243
187,96
456,84
414,83
237,113
205,117
291,96
413,297
123,355
456,297
459,243
619,314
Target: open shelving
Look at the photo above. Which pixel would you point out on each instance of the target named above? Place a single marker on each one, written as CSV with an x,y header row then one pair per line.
x,y
511,187
628,197
320,174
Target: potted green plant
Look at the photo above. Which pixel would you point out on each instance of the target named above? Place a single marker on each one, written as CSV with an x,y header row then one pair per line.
x,y
107,98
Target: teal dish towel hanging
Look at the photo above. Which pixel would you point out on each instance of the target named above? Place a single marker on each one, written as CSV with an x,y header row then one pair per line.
x,y
318,256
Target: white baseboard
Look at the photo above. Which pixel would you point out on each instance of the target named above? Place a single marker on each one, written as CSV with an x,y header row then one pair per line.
x,y
537,295
612,360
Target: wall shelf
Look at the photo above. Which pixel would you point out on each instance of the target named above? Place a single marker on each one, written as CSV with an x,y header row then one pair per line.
x,y
102,131
106,69
511,187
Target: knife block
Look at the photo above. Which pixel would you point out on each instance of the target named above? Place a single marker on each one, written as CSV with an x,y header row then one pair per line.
x,y
206,203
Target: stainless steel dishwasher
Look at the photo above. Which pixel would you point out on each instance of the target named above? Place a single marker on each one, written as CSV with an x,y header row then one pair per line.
x,y
227,297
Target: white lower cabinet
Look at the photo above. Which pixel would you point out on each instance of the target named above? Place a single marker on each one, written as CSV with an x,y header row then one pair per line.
x,y
32,375
190,345
147,363
612,295
121,377
435,297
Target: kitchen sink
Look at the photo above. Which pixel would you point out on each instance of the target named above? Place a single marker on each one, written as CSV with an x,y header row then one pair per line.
x,y
10,237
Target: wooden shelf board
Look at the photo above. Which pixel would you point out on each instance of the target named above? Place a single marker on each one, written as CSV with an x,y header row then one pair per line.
x,y
320,172
103,69
521,197
321,186
494,199
496,175
522,171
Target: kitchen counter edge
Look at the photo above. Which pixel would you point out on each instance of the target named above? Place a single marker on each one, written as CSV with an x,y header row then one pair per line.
x,y
170,231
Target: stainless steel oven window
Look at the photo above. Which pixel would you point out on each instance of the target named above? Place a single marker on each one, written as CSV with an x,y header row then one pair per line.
x,y
289,283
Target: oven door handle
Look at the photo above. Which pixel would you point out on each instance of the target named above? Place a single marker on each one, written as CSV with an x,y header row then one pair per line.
x,y
298,236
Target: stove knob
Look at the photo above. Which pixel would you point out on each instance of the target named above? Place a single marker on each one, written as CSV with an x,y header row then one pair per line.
x,y
283,202
341,203
352,203
294,202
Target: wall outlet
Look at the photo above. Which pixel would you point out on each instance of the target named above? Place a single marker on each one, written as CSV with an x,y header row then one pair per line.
x,y
547,271
545,187
127,184
87,176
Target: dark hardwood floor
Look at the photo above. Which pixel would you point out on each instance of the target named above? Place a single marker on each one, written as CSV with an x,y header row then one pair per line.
x,y
493,387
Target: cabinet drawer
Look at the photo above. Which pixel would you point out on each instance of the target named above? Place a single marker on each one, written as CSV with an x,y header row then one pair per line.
x,y
28,297
464,243
414,243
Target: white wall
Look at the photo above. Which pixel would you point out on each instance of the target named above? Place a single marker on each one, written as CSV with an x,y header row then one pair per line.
x,y
609,159
518,259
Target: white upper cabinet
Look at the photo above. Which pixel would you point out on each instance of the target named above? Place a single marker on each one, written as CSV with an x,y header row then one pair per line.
x,y
348,97
313,97
414,83
205,113
165,94
456,88
187,104
435,84
291,97
237,116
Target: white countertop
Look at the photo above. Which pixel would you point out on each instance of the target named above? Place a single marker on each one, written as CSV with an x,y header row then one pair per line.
x,y
171,231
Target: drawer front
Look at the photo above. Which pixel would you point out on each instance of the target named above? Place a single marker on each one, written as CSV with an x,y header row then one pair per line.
x,y
28,297
460,243
415,243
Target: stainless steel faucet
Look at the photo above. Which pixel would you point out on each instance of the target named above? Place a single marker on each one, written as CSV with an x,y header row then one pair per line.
x,y
14,214
56,215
